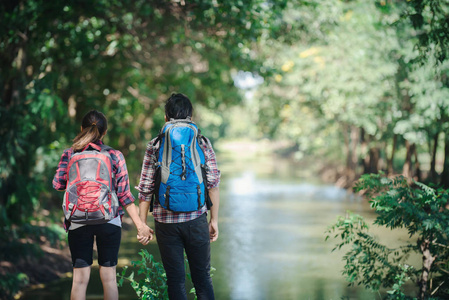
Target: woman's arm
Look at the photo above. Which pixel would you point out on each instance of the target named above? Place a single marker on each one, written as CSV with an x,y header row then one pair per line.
x,y
144,233
60,178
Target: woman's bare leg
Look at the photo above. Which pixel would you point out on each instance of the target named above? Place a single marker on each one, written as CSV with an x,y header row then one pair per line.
x,y
79,285
109,279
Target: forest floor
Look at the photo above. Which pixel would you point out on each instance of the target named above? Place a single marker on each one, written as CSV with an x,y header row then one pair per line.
x,y
40,261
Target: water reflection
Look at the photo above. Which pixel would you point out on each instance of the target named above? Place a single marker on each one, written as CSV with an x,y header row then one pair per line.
x,y
272,243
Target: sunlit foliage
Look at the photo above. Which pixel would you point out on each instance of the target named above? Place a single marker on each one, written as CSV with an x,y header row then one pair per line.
x,y
419,209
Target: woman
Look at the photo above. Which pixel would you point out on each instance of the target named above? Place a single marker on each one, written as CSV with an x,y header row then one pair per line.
x,y
81,236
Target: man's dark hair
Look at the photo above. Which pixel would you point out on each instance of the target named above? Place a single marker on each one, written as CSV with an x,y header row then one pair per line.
x,y
178,106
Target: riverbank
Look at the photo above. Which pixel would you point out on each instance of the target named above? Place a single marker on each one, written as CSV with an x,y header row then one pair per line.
x,y
329,172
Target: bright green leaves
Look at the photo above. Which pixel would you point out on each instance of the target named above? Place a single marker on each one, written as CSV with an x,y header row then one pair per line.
x,y
346,229
11,284
367,261
150,282
417,207
398,203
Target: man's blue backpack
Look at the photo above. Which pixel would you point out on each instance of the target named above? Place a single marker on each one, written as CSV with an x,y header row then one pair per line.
x,y
180,175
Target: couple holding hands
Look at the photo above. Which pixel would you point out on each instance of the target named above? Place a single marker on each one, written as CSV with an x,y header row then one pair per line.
x,y
178,184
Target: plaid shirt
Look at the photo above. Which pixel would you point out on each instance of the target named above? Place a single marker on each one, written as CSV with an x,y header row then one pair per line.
x,y
118,167
147,182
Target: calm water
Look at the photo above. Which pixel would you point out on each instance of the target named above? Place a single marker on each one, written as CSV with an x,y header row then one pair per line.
x,y
273,216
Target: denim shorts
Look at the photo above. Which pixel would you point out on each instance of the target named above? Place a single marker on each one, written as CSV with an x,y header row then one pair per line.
x,y
81,242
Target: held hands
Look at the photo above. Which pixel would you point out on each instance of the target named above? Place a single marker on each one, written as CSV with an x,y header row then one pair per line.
x,y
144,234
213,230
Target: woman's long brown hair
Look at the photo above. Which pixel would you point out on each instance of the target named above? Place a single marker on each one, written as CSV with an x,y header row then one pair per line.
x,y
94,125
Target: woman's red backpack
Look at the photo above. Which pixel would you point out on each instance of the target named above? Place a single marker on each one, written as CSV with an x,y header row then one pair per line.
x,y
90,196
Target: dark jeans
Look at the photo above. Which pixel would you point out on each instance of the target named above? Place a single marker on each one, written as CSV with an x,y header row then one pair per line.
x,y
193,236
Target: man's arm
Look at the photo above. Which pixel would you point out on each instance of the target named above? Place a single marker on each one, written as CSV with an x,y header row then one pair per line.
x,y
147,180
144,207
214,194
213,180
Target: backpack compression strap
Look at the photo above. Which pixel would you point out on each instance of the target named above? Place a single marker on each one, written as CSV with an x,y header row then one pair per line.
x,y
92,145
104,148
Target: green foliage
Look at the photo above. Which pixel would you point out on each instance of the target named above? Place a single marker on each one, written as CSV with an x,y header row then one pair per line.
x,y
150,282
400,279
398,204
430,17
368,262
11,284
418,208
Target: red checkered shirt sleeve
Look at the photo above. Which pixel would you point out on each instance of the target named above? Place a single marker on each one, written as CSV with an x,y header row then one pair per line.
x,y
212,171
60,178
122,188
147,178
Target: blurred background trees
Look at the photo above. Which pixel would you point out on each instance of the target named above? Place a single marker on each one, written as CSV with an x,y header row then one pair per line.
x,y
363,83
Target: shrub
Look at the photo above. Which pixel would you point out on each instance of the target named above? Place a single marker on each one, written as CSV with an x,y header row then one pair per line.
x,y
421,210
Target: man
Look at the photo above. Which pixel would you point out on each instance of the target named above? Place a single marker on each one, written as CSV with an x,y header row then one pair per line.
x,y
177,229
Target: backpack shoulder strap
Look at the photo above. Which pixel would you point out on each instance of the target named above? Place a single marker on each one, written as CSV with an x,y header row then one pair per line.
x,y
158,138
106,147
201,137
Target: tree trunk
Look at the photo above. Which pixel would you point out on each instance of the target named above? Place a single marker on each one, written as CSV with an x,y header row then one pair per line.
x,y
355,136
407,169
427,261
374,155
346,151
390,159
417,166
351,139
433,172
364,151
445,174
